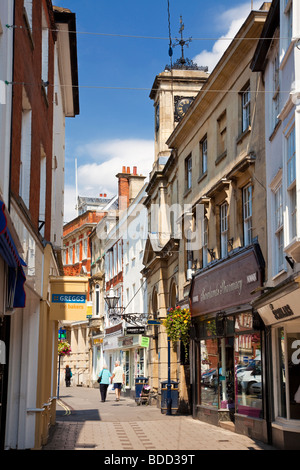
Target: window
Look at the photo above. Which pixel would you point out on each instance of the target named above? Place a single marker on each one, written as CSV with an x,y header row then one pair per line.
x,y
224,229
42,207
84,249
70,255
45,51
222,128
288,14
276,90
28,11
97,299
77,252
25,164
278,229
245,109
247,214
205,242
188,172
291,183
203,156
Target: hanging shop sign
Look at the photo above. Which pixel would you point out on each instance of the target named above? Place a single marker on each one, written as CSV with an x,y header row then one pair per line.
x,y
229,283
68,298
135,330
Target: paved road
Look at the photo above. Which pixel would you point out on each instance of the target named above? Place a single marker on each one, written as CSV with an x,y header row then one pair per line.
x,y
83,422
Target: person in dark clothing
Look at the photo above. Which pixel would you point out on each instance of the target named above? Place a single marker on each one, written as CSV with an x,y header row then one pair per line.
x,y
68,375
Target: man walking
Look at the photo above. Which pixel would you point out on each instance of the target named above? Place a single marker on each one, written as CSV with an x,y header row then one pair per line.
x,y
118,378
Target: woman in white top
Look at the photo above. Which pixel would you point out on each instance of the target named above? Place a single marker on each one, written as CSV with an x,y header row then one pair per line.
x,y
118,378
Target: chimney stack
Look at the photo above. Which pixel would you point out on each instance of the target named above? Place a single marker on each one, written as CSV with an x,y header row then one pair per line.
x,y
129,186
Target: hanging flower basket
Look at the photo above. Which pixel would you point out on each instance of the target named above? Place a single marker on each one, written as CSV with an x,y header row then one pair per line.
x,y
178,324
64,349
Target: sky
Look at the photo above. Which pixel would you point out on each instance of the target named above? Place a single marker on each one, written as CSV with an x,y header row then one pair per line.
x,y
122,45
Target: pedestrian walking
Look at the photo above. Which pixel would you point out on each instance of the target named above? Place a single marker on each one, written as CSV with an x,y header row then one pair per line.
x,y
118,378
68,375
104,378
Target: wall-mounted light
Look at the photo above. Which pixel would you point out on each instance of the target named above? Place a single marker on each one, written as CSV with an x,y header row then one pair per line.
x,y
212,253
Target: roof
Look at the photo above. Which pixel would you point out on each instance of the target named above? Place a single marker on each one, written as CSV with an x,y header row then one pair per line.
x,y
259,59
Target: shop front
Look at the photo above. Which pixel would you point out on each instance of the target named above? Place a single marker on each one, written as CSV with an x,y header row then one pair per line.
x,y
280,310
228,344
129,350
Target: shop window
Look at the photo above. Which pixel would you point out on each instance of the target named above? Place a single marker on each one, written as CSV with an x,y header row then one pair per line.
x,y
127,368
248,367
288,371
208,364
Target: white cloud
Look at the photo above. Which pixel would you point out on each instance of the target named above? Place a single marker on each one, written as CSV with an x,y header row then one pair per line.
x,y
231,21
107,159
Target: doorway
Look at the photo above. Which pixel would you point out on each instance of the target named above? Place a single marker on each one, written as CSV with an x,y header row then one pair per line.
x,y
4,348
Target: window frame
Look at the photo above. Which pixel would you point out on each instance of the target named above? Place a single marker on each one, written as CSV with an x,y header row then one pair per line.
x,y
247,213
188,172
246,108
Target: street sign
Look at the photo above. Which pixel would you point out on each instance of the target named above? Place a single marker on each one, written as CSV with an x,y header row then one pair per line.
x,y
154,322
135,330
62,334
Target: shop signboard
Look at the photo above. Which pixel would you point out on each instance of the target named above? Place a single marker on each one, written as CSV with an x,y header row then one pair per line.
x,y
135,330
145,340
68,298
229,283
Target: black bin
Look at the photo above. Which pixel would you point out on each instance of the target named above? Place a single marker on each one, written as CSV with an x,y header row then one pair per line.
x,y
174,396
139,383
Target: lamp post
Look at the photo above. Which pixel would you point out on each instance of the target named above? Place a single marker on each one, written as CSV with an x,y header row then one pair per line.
x,y
169,398
117,313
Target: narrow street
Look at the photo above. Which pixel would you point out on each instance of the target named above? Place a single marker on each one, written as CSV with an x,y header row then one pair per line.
x,y
85,423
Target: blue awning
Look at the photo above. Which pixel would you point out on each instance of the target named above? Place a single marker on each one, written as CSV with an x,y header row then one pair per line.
x,y
16,275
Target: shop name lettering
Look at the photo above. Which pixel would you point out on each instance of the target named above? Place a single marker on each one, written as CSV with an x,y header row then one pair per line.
x,y
65,299
281,312
222,289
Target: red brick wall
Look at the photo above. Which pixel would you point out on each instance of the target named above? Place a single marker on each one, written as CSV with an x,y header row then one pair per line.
x,y
27,70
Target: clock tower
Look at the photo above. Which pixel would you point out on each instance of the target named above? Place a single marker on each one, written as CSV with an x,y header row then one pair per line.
x,y
173,92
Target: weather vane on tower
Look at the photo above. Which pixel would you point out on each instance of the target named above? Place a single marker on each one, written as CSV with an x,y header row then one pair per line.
x,y
183,63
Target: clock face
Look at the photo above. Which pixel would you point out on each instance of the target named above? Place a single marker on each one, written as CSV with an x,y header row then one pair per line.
x,y
181,107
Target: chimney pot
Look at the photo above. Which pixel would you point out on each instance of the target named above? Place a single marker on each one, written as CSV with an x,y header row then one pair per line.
x,y
101,195
104,195
123,169
135,170
128,169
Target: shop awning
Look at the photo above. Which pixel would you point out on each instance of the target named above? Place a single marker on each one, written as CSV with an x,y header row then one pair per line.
x,y
9,252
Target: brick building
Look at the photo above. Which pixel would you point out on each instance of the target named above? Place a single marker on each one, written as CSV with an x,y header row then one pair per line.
x,y
39,107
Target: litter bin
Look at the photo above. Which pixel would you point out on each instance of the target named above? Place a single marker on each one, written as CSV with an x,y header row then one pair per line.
x,y
174,396
139,383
